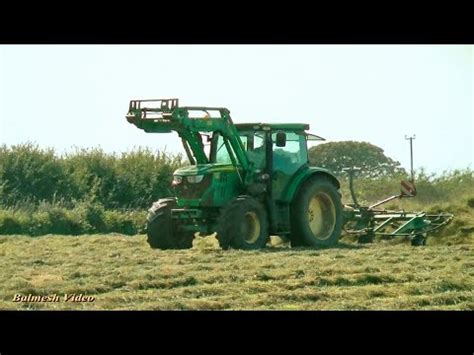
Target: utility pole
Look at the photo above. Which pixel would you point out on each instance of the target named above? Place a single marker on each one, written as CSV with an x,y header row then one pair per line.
x,y
411,155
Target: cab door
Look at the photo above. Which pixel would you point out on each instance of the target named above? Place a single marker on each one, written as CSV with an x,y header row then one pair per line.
x,y
287,160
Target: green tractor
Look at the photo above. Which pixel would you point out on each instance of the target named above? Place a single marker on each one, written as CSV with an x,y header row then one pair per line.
x,y
245,181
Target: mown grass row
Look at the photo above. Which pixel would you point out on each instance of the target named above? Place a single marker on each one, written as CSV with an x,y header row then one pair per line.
x,y
124,273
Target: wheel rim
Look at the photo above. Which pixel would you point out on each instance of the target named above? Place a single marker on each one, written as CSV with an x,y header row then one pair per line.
x,y
252,227
321,216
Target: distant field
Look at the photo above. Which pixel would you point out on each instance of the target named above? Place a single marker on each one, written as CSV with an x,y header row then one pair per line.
x,y
122,272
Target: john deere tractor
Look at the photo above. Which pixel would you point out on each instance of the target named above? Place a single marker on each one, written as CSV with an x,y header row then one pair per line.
x,y
245,181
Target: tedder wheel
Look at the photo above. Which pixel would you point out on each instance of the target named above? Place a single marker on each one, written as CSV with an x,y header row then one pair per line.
x,y
161,231
243,224
366,238
316,214
418,240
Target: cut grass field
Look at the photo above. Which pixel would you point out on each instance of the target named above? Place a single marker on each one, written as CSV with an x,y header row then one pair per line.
x,y
123,273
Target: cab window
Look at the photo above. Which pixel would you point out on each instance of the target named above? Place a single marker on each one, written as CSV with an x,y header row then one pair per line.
x,y
292,156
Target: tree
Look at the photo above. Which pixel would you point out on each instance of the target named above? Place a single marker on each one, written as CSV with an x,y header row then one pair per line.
x,y
338,155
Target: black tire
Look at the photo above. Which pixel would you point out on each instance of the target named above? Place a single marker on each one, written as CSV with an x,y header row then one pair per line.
x,y
418,240
295,239
316,214
243,224
366,238
161,231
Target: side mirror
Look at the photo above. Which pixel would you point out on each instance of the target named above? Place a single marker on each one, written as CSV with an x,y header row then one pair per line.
x,y
281,139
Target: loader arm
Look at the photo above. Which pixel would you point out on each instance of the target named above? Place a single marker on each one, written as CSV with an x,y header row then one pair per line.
x,y
165,116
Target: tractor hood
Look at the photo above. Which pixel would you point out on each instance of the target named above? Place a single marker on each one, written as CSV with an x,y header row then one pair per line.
x,y
203,169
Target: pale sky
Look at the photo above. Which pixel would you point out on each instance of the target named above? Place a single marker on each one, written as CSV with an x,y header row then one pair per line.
x,y
77,96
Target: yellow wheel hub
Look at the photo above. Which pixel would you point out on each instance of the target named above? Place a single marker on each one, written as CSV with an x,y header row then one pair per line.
x,y
321,216
253,227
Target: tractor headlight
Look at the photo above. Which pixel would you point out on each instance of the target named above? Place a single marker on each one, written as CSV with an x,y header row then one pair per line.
x,y
177,180
195,179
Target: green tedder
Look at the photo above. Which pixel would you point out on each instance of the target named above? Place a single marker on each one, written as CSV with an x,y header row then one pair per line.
x,y
248,181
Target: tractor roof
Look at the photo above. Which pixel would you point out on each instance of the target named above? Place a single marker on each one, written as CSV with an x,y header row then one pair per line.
x,y
282,126
259,125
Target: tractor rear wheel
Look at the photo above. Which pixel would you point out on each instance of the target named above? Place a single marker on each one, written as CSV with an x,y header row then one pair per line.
x,y
161,231
316,214
243,224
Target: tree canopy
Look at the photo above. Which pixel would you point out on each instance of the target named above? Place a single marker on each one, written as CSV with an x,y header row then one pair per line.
x,y
338,155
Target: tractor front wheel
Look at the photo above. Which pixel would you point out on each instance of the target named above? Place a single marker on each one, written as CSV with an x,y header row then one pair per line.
x,y
161,231
243,224
316,215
